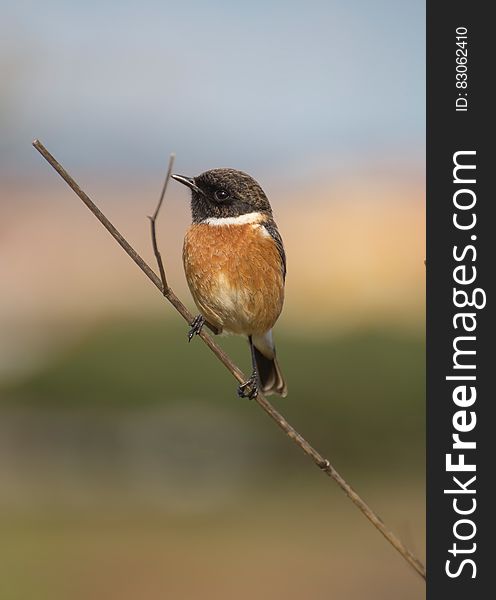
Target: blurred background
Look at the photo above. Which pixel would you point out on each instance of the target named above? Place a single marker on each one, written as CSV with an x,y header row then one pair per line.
x,y
128,466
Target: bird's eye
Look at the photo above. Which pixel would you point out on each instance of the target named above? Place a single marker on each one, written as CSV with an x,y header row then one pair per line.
x,y
221,195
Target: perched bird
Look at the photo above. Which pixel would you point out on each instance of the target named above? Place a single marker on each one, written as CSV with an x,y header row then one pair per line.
x,y
235,266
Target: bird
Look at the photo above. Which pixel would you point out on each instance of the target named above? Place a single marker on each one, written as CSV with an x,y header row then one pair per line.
x,y
235,265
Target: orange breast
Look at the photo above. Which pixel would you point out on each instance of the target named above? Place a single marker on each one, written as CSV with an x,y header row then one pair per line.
x,y
235,276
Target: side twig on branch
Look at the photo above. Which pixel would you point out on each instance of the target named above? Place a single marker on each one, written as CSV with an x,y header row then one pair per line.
x,y
164,288
153,220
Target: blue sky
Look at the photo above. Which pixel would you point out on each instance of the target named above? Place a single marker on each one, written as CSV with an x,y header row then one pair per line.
x,y
262,85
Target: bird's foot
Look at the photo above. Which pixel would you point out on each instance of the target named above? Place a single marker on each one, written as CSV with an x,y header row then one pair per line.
x,y
249,389
196,326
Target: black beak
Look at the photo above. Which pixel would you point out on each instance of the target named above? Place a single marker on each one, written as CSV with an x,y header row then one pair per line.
x,y
187,181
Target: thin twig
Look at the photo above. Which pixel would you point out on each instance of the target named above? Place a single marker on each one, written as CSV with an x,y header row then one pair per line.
x,y
153,220
299,440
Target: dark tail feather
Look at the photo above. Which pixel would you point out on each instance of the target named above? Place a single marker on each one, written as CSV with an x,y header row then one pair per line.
x,y
269,373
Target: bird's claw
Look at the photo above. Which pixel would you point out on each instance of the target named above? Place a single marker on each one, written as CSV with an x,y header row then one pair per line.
x,y
249,389
196,327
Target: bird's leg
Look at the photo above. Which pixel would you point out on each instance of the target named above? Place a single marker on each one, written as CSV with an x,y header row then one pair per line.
x,y
249,389
196,326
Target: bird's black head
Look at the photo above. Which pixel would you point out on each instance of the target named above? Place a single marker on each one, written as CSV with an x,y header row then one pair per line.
x,y
224,193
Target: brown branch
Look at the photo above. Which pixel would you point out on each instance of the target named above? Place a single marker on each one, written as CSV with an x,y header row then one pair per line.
x,y
299,440
153,220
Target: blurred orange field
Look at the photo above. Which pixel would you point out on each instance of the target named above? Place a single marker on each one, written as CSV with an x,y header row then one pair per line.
x,y
355,254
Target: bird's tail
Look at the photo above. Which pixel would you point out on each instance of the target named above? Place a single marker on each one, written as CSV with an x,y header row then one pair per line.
x,y
269,373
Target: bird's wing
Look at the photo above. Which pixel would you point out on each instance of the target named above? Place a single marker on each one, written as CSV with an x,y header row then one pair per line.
x,y
272,230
